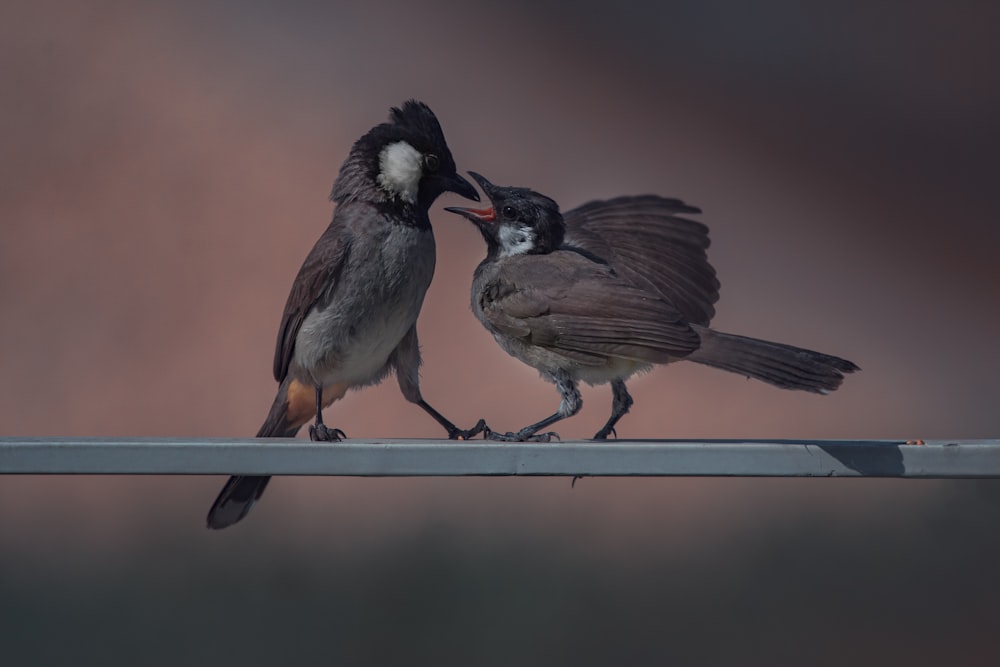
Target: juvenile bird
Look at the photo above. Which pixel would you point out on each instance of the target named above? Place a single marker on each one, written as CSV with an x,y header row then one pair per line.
x,y
608,291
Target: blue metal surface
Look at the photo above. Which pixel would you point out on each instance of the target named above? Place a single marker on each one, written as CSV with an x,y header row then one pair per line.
x,y
740,458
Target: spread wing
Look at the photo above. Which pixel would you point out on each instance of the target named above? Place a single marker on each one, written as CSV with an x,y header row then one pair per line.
x,y
648,245
567,303
314,284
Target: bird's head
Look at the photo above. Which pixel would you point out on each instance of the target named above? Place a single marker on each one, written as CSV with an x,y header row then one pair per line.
x,y
519,221
404,162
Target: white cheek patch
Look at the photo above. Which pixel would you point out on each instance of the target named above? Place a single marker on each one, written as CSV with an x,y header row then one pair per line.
x,y
400,169
516,240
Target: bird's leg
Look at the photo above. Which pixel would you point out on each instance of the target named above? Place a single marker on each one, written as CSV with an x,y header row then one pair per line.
x,y
320,432
571,404
406,360
454,433
620,403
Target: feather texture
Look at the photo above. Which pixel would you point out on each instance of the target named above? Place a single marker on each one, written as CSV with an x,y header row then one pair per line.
x,y
649,245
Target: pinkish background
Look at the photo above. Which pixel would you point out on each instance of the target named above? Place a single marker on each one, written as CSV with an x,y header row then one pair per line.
x,y
164,170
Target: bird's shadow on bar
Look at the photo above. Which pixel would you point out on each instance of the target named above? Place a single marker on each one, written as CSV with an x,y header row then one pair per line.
x,y
871,458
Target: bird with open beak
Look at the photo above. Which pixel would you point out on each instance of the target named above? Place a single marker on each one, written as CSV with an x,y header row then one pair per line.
x,y
608,290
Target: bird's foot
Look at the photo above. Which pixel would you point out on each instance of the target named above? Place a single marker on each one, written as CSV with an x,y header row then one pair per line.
x,y
469,433
605,432
521,436
323,433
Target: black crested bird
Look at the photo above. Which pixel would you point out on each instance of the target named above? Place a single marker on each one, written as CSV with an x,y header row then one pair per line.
x,y
351,315
606,292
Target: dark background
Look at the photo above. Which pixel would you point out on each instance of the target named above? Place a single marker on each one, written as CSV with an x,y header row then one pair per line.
x,y
164,169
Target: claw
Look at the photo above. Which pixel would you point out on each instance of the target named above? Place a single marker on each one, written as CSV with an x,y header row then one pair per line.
x,y
469,433
604,433
520,436
323,433
529,436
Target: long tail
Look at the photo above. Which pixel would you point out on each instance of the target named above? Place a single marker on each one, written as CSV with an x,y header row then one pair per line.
x,y
782,365
241,492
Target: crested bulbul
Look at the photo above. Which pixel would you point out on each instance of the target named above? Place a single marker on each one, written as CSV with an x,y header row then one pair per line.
x,y
609,290
351,315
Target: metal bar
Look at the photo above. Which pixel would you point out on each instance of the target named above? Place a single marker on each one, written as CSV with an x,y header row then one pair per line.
x,y
399,458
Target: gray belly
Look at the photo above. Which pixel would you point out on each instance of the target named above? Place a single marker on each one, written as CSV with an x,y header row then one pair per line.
x,y
551,362
377,301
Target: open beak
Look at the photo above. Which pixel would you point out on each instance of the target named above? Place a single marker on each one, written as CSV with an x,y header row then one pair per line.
x,y
460,186
478,215
487,187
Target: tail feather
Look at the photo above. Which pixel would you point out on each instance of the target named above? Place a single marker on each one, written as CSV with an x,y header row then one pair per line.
x,y
781,365
235,500
241,491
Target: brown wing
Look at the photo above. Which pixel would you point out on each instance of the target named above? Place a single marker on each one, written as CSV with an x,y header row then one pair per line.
x,y
648,245
565,302
314,284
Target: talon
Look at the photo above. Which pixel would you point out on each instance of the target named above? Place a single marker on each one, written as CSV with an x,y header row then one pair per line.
x,y
604,433
918,441
468,434
323,433
509,436
520,436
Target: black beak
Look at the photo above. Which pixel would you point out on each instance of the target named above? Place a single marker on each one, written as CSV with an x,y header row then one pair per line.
x,y
458,185
487,187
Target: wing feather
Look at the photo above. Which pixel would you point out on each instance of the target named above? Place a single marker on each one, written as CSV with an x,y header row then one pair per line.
x,y
647,244
315,283
564,302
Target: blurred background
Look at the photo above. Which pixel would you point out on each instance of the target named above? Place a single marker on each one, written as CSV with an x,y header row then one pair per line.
x,y
164,168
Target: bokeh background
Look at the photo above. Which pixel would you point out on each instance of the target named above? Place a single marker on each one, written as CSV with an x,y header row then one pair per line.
x,y
164,168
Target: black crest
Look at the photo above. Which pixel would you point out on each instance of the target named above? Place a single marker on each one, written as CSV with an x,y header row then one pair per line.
x,y
414,123
418,119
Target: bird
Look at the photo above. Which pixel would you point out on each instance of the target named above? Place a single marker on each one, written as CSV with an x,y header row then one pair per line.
x,y
609,290
350,318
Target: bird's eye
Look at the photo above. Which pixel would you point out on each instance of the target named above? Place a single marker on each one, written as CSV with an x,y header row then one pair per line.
x,y
508,212
431,162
